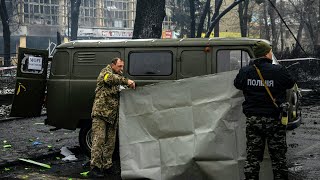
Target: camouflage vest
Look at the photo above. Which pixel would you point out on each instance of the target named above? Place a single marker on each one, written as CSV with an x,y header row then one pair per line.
x,y
106,101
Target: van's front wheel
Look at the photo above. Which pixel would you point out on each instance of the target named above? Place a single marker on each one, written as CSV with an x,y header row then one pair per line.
x,y
85,140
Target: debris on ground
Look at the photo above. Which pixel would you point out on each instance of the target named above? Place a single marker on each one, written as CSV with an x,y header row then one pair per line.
x,y
69,156
35,162
36,143
85,174
5,111
7,146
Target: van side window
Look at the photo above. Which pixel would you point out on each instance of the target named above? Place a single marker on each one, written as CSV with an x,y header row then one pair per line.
x,y
60,63
228,60
150,63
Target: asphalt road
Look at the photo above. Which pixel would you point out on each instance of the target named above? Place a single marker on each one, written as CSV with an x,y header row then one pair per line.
x,y
303,148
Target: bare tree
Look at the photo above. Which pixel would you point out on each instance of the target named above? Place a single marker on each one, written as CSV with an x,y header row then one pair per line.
x,y
275,36
180,16
299,15
318,39
265,18
193,19
217,16
217,7
312,23
307,14
281,29
6,32
243,17
203,17
75,6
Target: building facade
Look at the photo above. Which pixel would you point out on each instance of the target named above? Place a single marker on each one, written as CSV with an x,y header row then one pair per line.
x,y
38,21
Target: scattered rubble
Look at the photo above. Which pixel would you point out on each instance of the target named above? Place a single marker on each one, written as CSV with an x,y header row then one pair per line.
x,y
4,111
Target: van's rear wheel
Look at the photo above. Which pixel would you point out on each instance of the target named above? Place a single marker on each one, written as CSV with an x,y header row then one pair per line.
x,y
85,140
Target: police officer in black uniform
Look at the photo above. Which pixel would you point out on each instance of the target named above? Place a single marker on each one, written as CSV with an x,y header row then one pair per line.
x,y
263,117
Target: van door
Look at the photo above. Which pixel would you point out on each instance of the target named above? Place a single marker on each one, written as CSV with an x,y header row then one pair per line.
x,y
30,83
229,58
193,61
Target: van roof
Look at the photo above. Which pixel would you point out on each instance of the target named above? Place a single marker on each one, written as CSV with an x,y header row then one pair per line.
x,y
158,42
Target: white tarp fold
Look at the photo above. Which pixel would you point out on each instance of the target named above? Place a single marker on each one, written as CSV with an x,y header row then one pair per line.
x,y
186,129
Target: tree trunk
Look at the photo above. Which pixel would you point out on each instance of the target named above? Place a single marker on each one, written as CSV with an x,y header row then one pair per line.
x,y
149,18
216,30
203,17
75,6
216,18
58,38
209,19
296,48
217,7
6,32
243,17
311,23
317,47
261,25
266,26
281,29
193,20
240,12
272,15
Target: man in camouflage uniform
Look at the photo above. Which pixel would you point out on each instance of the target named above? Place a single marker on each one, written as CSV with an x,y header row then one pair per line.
x,y
263,117
105,116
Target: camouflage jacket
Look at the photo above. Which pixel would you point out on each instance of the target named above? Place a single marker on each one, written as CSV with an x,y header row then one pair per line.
x,y
106,101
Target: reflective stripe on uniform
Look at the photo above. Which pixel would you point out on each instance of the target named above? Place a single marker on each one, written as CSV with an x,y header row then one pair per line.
x,y
106,77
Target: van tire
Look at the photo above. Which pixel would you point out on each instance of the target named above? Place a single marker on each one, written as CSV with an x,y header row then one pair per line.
x,y
294,106
85,142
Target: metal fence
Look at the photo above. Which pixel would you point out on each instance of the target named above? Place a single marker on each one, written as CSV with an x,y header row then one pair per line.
x,y
7,79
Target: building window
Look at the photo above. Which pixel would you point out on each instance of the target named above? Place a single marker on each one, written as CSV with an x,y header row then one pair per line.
x,y
41,12
118,23
87,15
118,13
150,63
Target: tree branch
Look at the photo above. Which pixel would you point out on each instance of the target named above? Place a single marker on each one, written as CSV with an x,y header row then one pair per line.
x,y
203,17
215,20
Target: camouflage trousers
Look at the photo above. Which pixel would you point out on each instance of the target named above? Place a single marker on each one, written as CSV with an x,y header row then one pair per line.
x,y
105,144
260,130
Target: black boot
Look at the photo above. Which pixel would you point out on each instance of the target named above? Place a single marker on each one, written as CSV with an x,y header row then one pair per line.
x,y
96,173
109,171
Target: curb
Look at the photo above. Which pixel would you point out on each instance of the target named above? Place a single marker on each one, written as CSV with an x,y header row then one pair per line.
x,y
10,119
43,156
16,118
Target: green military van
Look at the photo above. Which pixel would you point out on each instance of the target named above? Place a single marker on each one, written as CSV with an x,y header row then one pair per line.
x,y
75,66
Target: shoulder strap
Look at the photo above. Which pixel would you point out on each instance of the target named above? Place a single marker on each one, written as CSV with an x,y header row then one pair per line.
x,y
265,85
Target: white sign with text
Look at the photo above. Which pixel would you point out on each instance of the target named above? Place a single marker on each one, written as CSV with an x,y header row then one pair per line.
x,y
35,63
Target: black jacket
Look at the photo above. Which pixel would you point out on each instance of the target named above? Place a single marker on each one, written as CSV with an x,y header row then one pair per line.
x,y
257,100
